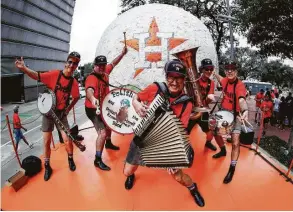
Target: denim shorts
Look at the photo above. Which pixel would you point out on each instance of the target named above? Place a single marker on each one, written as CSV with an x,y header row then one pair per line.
x,y
18,135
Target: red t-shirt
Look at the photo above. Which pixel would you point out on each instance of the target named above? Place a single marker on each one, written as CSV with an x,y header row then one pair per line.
x,y
148,94
16,121
267,108
99,87
228,98
258,99
50,79
203,89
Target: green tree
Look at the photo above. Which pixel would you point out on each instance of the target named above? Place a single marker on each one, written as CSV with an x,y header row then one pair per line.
x,y
268,25
278,74
205,10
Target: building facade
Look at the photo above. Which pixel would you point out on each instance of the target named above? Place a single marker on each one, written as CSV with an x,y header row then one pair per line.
x,y
38,30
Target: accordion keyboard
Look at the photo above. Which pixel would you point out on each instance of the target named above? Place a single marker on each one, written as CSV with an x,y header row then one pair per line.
x,y
162,139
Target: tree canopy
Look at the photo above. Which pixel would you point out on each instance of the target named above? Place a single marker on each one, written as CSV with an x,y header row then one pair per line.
x,y
268,25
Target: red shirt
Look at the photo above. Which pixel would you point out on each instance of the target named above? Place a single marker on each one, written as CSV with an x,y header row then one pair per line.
x,y
203,89
16,121
50,79
267,108
148,94
228,98
99,87
259,98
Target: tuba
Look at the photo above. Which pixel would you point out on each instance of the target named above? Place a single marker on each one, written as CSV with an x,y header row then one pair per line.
x,y
188,58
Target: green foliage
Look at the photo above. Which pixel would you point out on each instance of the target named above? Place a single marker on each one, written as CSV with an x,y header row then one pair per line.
x,y
205,10
87,68
268,25
278,74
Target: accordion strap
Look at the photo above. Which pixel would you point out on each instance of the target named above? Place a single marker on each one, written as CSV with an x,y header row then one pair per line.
x,y
182,99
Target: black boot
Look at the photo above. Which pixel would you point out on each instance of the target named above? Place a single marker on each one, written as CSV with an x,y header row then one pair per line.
x,y
197,196
210,146
109,145
99,163
129,182
229,175
71,164
222,153
48,172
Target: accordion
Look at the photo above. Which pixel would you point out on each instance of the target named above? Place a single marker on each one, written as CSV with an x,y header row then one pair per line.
x,y
162,139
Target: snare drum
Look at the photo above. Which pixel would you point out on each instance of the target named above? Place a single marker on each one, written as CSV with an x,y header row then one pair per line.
x,y
117,111
221,122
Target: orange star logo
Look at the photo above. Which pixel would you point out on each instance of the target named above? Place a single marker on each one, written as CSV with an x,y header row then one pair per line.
x,y
153,40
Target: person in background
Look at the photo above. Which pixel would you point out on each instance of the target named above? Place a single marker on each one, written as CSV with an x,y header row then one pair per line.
x,y
275,118
267,110
17,126
258,100
282,113
289,108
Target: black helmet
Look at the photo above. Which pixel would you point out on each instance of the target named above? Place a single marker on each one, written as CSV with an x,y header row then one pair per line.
x,y
230,65
74,54
100,60
175,66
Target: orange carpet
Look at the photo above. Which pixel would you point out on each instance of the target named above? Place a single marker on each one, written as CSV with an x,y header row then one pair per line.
x,y
256,185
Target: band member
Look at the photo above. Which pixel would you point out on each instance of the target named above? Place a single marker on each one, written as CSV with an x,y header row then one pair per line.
x,y
97,86
267,110
17,126
63,85
258,100
207,87
235,102
175,77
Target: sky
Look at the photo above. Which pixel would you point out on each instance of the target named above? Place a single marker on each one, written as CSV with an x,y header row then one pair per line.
x,y
90,20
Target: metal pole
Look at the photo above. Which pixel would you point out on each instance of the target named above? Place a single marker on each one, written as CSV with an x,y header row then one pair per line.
x,y
11,136
231,32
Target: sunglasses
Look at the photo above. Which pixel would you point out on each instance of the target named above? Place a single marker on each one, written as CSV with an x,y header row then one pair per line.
x,y
177,79
209,69
71,62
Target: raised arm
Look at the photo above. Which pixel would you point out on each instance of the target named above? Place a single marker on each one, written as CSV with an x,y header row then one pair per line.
x,y
218,77
119,57
19,63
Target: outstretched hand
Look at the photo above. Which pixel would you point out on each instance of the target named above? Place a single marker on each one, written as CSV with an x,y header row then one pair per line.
x,y
19,63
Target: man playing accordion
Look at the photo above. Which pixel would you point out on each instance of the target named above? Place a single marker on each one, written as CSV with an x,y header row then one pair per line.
x,y
175,77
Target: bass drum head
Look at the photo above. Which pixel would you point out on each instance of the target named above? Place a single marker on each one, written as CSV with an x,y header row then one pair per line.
x,y
117,110
46,102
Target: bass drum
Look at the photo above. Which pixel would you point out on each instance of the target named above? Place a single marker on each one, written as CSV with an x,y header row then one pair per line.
x,y
117,110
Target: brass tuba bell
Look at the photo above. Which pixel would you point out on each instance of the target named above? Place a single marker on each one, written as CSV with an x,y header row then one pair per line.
x,y
188,58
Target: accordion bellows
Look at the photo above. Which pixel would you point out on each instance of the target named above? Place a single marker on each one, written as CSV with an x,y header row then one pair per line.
x,y
162,139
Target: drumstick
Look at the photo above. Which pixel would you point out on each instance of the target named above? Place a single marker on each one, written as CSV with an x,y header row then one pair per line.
x,y
244,125
248,123
124,38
